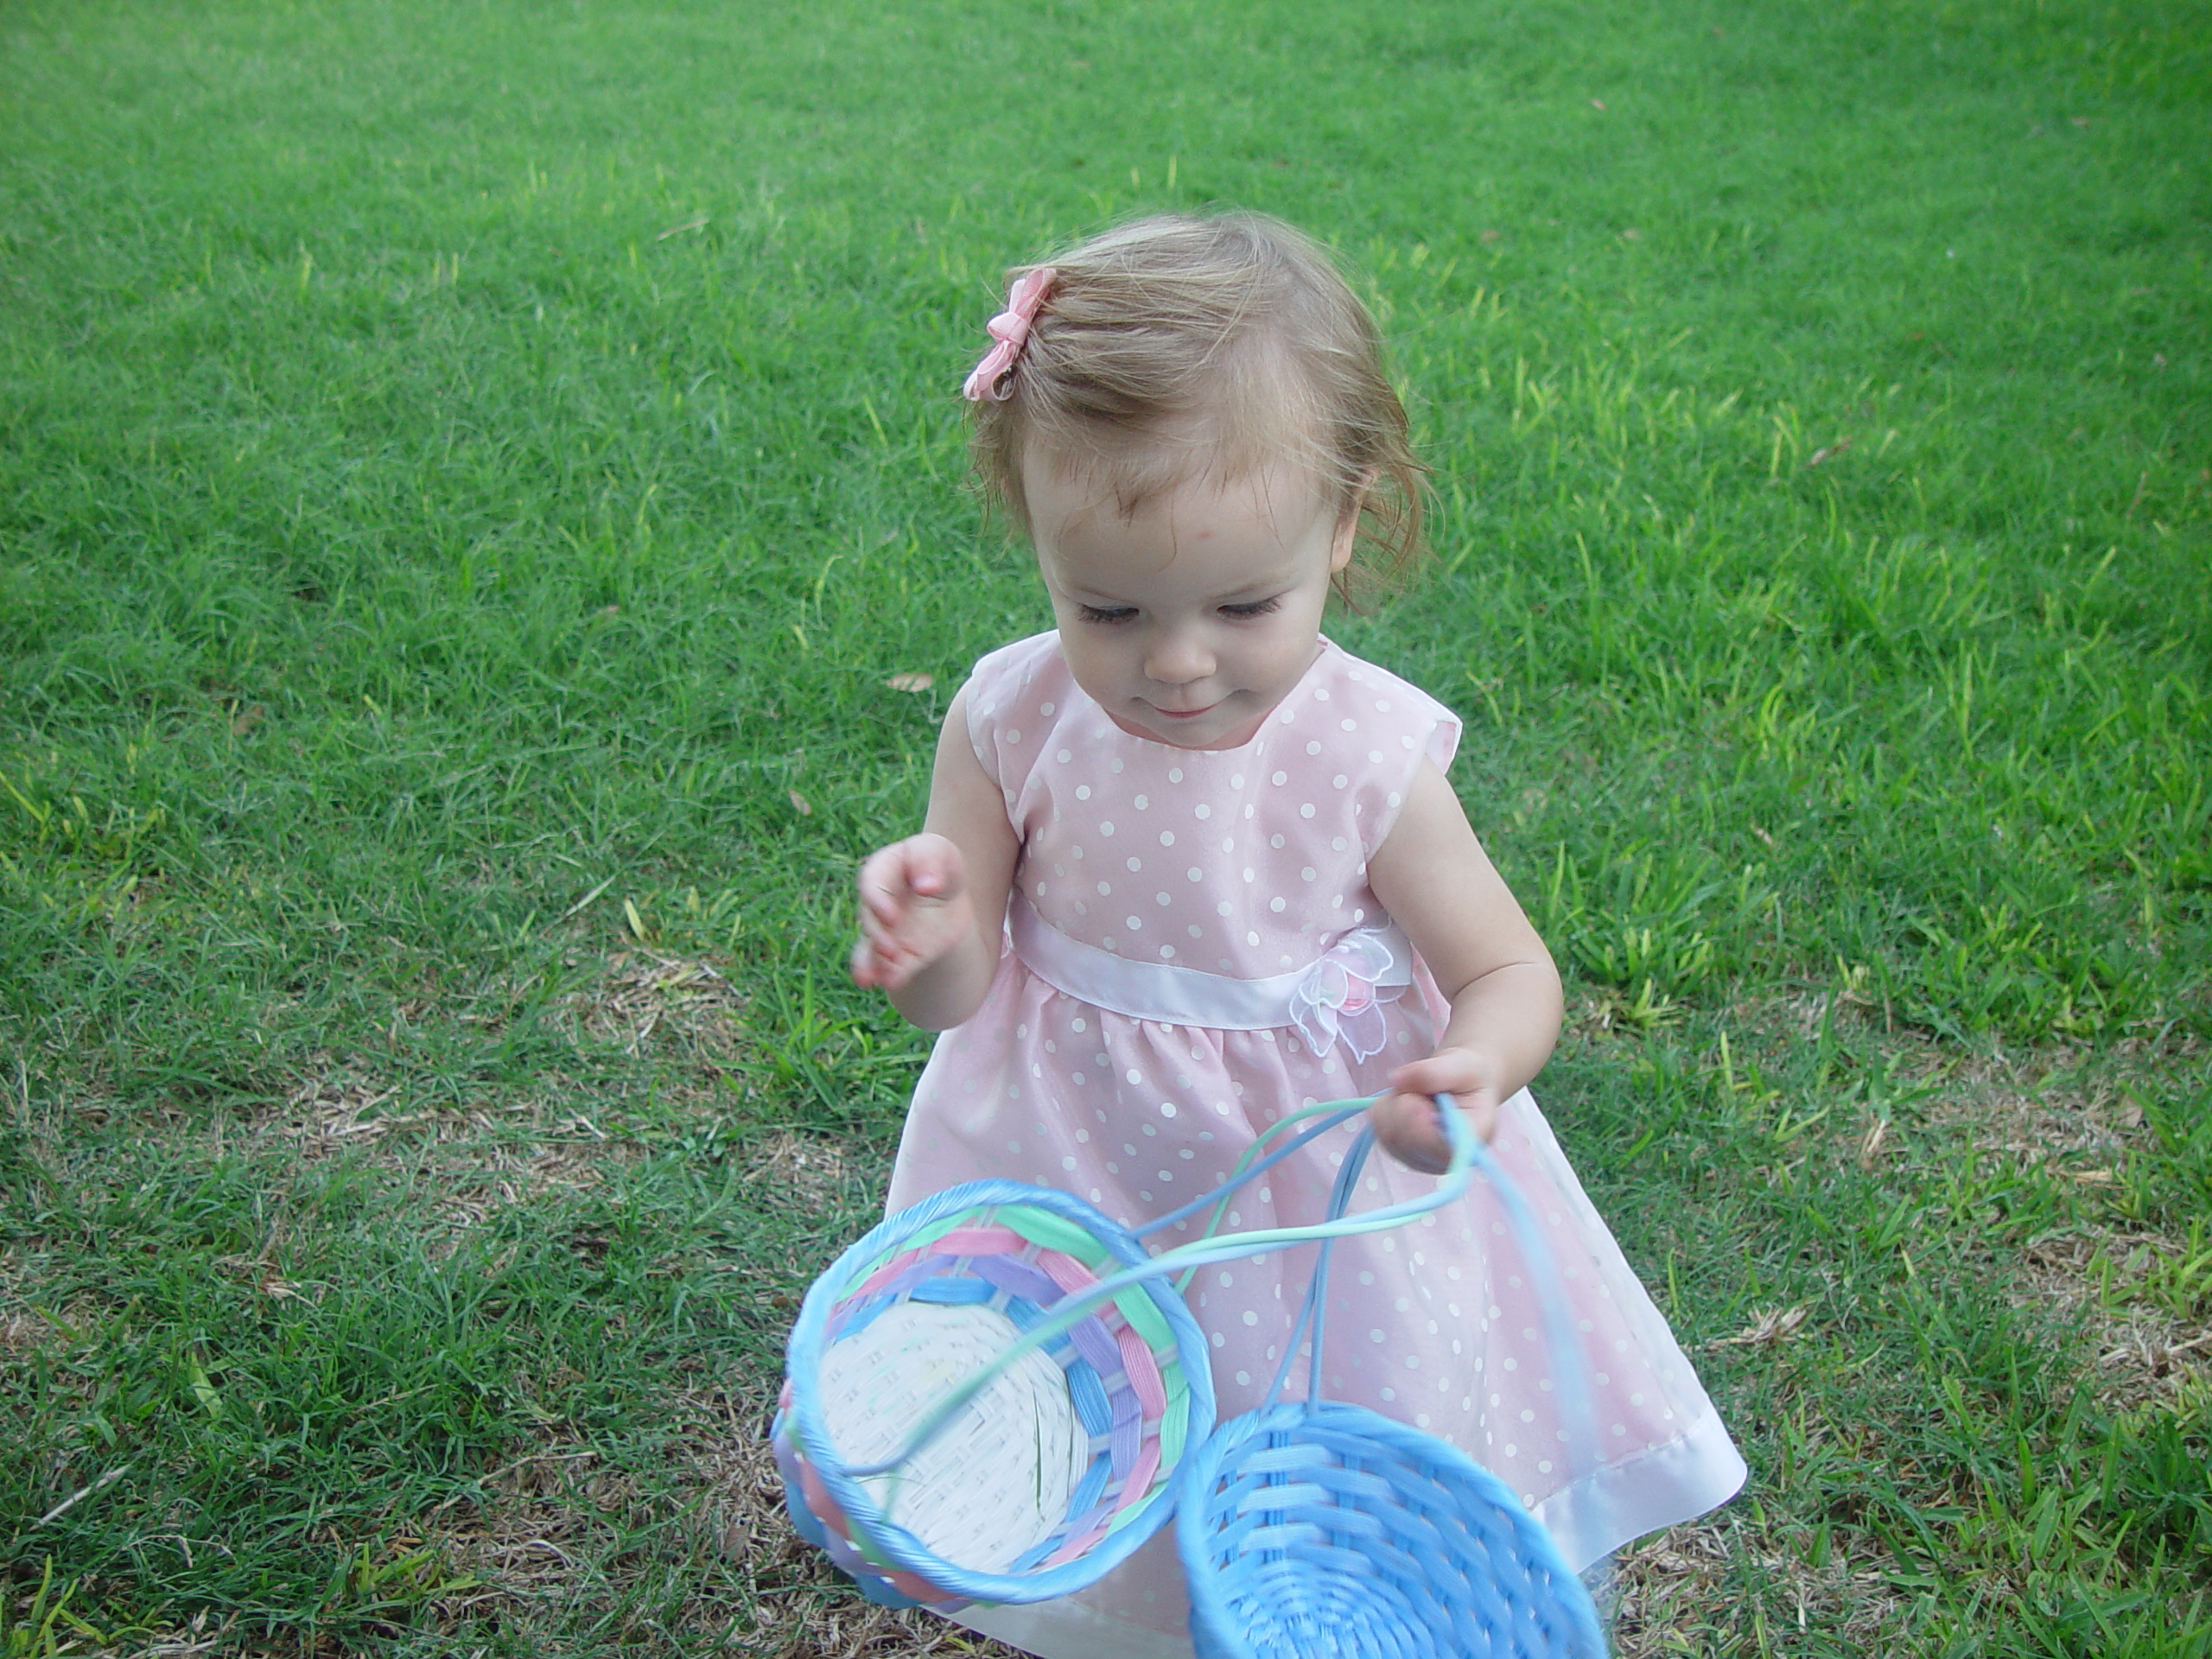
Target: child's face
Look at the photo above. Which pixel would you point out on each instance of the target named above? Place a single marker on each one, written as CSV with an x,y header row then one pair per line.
x,y
1190,620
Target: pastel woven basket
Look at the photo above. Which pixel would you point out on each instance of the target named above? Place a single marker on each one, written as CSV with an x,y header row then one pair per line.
x,y
1062,1459
1315,1530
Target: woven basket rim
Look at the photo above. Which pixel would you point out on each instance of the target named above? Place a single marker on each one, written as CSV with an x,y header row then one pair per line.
x,y
803,1357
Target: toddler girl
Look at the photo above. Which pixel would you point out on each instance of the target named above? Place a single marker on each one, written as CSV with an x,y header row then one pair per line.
x,y
1188,867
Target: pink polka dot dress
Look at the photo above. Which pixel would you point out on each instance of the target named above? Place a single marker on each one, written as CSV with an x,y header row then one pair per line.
x,y
1193,951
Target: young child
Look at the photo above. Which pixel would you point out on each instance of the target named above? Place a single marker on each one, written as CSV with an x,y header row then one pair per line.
x,y
1188,867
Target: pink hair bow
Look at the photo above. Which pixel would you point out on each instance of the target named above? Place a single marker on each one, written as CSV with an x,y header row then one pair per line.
x,y
1010,329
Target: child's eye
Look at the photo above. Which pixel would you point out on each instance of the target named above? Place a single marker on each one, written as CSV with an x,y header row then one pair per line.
x,y
1253,607
1107,613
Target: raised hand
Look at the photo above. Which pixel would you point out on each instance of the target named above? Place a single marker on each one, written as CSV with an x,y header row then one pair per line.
x,y
914,910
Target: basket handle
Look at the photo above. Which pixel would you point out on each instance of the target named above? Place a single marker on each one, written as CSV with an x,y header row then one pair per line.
x,y
1571,1369
1202,1252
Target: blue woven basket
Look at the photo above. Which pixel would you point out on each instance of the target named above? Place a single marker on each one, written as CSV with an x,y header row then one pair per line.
x,y
1314,1530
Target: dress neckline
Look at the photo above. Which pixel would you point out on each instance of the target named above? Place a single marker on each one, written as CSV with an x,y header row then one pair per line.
x,y
1327,647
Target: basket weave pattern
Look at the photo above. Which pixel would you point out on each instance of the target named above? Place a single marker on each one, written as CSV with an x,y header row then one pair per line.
x,y
1330,1530
1087,1435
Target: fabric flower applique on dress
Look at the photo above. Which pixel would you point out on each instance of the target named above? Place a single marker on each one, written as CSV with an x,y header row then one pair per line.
x,y
1342,996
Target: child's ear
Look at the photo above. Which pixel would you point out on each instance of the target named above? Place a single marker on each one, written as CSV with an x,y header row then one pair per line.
x,y
1347,534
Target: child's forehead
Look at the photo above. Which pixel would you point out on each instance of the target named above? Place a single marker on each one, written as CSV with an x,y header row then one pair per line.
x,y
1172,478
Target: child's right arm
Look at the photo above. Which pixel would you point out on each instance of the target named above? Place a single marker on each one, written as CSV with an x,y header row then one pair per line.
x,y
933,905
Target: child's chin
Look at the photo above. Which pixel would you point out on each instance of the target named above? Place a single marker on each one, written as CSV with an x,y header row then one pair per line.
x,y
1207,731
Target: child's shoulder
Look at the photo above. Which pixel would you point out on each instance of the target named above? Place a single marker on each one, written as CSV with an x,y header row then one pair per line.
x,y
1000,677
1338,674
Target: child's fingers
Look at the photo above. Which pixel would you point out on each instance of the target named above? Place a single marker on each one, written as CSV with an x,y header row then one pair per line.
x,y
884,886
1405,1119
933,866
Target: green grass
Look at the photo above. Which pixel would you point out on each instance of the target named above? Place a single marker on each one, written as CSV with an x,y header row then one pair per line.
x,y
468,472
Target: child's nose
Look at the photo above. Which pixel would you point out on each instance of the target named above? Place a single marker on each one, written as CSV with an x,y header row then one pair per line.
x,y
1177,657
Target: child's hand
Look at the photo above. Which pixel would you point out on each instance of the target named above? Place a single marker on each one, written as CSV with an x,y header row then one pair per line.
x,y
1405,1119
914,908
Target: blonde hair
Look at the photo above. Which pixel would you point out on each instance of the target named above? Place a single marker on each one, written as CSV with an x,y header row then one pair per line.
x,y
1179,347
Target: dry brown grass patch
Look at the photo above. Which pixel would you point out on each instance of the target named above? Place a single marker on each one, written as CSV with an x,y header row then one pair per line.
x,y
1678,1591
2142,1354
643,996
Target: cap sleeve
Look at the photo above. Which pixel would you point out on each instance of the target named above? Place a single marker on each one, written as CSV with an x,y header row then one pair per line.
x,y
1004,718
1399,725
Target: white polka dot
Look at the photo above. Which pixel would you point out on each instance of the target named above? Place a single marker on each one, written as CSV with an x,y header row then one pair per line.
x,y
1222,908
1337,844
1174,774
1375,1335
1013,736
1167,837
1067,1163
1306,810
1142,802
1064,757
1307,873
1274,905
1339,781
1203,811
1282,778
1251,1318
1313,748
1106,827
1244,1378
1136,864
1045,708
1251,938
1083,792
1105,888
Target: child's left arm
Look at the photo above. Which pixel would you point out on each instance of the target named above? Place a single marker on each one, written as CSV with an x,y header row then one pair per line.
x,y
1439,885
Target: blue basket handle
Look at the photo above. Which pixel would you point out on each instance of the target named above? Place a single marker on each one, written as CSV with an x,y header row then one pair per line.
x,y
1202,1252
1570,1366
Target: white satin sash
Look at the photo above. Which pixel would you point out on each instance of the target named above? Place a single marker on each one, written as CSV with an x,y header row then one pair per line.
x,y
1334,998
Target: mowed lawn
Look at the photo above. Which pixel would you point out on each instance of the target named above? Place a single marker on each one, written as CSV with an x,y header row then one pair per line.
x,y
484,548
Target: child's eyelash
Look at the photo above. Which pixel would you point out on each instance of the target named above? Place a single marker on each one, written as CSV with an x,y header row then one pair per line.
x,y
1104,613
1253,607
